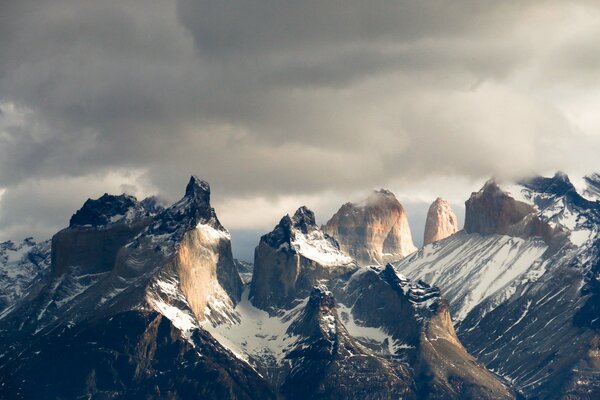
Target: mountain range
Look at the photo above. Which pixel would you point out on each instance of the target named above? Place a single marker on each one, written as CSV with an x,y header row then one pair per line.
x,y
135,300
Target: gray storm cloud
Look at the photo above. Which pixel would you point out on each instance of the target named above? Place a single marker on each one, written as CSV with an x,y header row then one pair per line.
x,y
269,100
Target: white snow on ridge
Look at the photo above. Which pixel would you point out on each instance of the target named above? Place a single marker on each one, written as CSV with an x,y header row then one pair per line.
x,y
517,192
257,336
317,247
471,268
588,186
211,233
558,212
181,319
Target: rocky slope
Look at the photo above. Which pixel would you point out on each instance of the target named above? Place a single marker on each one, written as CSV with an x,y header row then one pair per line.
x,y
292,258
147,302
522,281
441,222
373,231
374,334
20,265
120,312
328,363
591,190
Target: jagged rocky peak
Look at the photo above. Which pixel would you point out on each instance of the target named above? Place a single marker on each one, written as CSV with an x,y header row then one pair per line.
x,y
322,304
373,231
441,222
198,188
193,209
97,231
304,220
181,255
418,293
291,258
190,250
106,210
319,319
326,361
421,332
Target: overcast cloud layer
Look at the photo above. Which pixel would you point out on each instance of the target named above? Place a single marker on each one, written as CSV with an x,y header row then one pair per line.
x,y
280,103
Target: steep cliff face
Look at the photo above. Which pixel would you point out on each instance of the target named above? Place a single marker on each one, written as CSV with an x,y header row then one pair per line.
x,y
492,210
441,222
289,260
526,304
420,331
328,363
189,248
96,233
373,231
126,308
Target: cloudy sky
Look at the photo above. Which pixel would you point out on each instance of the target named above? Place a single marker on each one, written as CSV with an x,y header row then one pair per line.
x,y
288,102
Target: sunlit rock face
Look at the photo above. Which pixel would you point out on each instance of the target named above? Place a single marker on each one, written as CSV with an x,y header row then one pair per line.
x,y
373,231
120,311
441,222
491,210
523,284
494,211
290,259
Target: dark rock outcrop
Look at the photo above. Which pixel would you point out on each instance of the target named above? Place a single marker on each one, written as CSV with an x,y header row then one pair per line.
x,y
329,364
120,313
421,324
96,232
291,259
130,355
492,211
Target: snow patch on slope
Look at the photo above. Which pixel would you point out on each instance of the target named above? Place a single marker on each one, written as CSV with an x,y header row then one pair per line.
x,y
211,234
257,336
316,246
471,268
181,319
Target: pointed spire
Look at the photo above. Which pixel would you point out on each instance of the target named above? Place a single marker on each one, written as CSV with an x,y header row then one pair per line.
x,y
198,188
304,219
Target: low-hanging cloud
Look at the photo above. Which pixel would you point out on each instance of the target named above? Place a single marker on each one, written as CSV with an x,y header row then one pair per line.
x,y
269,100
